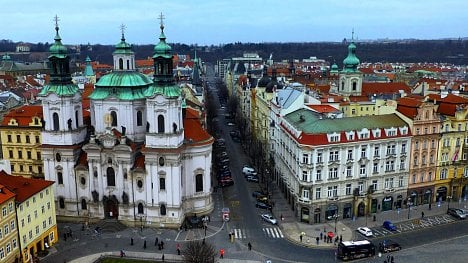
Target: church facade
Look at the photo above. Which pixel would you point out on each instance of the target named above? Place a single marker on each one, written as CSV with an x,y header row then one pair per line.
x,y
143,159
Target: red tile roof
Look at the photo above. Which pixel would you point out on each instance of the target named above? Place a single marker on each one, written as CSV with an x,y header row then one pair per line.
x,y
24,188
408,106
384,88
5,194
323,108
193,129
23,115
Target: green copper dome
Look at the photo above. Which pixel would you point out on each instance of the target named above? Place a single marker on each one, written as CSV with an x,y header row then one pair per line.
x,y
6,57
123,79
162,49
88,68
334,67
351,61
123,47
58,49
66,90
168,91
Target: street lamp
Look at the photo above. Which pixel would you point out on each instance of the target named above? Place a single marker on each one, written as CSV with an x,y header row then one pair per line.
x,y
336,219
409,207
448,202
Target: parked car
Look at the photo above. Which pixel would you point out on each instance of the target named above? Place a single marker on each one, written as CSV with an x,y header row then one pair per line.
x,y
269,218
258,194
252,178
247,170
389,226
224,162
365,231
389,246
455,212
263,205
221,155
225,182
230,124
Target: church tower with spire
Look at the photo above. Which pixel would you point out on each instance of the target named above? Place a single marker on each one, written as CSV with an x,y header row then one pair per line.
x,y
64,131
350,83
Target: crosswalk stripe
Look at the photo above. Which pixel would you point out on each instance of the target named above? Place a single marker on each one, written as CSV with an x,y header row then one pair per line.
x,y
280,233
237,233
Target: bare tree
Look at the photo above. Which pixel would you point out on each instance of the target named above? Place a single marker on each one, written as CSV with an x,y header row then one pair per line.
x,y
199,252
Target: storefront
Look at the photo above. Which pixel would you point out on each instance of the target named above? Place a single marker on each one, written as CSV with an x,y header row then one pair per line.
x,y
399,201
374,205
441,194
305,214
413,198
347,208
427,196
332,211
317,215
387,203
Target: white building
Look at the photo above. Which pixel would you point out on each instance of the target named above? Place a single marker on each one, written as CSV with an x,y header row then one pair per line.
x,y
145,158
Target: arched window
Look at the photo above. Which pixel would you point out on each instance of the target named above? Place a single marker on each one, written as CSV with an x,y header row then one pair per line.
x,y
139,118
174,127
199,183
110,176
55,120
160,124
120,63
77,119
140,208
163,210
342,85
354,85
60,177
61,203
84,205
114,118
128,64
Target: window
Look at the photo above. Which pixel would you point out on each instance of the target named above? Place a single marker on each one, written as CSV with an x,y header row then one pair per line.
x,y
60,177
58,157
29,155
160,124
18,138
318,175
9,138
4,211
77,118
400,181
375,168
421,178
389,183
163,210
363,152
14,243
44,224
29,219
38,155
443,174
349,171
84,205
361,187
162,183
161,161
114,122
333,173
374,185
20,154
330,191
140,183
35,213
402,164
304,176
55,121
110,176
28,140
391,149
48,205
305,194
199,183
362,170
140,208
403,148
334,156
2,253
318,193
319,157
10,153
51,236
350,154
37,230
389,166
8,248
415,160
139,118
83,181
61,205
7,229
43,209
305,158
348,189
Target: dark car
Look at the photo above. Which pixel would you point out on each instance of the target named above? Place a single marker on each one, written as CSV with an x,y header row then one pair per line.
x,y
257,194
252,178
455,212
389,246
263,205
224,162
225,182
224,173
389,226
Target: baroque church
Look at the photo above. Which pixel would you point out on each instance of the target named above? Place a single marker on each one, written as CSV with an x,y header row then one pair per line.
x,y
144,157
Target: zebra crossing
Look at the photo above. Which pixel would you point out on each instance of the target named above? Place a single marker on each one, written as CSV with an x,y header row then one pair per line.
x,y
269,232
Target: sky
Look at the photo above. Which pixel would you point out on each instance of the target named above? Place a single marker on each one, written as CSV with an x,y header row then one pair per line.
x,y
210,22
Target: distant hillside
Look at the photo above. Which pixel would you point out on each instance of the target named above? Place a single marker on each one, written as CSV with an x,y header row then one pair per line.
x,y
449,51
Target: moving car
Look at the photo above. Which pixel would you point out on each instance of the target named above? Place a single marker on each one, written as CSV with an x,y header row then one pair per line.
x,y
252,178
269,218
389,246
455,212
263,205
247,170
365,231
389,226
225,182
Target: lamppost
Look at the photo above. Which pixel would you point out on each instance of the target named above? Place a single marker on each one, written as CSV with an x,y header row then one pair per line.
x,y
448,202
409,207
336,219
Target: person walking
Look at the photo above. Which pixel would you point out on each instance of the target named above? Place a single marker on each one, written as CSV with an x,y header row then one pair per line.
x,y
221,253
300,238
156,241
144,245
422,214
250,246
131,241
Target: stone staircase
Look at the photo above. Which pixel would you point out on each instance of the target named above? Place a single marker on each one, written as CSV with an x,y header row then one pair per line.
x,y
110,226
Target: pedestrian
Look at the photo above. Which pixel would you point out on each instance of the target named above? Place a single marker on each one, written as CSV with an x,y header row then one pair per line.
x,y
321,235
162,257
317,239
178,252
300,237
392,259
422,214
144,244
341,238
203,242
156,241
221,253
430,206
250,246
65,236
122,253
131,241
162,244
229,236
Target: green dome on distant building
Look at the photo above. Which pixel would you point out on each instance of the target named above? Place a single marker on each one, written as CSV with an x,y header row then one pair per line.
x,y
351,62
334,68
162,49
6,57
58,49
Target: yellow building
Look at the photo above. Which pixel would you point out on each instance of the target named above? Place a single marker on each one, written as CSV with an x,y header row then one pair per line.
x,y
35,208
9,246
20,133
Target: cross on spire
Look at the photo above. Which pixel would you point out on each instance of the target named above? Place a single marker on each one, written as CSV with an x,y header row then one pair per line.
x,y
56,19
161,18
122,29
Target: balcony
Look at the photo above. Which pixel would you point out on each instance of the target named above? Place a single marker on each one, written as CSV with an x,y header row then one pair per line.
x,y
305,201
